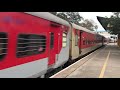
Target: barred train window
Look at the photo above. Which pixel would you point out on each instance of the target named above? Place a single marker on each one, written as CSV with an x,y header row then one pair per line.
x,y
29,44
76,39
52,40
64,44
3,45
84,42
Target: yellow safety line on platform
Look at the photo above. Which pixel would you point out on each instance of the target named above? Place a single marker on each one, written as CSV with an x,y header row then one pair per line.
x,y
104,66
77,62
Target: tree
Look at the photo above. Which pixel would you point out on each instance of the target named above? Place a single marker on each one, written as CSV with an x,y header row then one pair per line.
x,y
116,14
62,15
89,24
74,17
112,24
55,13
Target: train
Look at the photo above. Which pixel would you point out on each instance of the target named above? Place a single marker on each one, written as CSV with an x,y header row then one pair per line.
x,y
34,43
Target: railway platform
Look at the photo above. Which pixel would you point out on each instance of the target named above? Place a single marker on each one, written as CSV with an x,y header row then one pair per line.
x,y
102,63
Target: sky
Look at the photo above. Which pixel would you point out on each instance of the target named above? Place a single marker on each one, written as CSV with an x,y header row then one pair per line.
x,y
92,15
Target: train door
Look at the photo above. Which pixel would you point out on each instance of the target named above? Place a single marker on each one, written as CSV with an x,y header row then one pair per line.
x,y
80,41
52,49
54,41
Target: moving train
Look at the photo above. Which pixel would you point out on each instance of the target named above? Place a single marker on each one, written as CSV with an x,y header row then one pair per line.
x,y
32,43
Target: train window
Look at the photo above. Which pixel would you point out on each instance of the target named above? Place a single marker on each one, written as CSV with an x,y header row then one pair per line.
x,y
88,42
84,42
76,39
52,40
29,44
64,44
3,45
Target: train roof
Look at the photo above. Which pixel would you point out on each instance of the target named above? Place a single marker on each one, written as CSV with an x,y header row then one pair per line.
x,y
82,28
49,16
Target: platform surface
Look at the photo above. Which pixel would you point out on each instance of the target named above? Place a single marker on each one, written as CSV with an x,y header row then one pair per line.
x,y
103,63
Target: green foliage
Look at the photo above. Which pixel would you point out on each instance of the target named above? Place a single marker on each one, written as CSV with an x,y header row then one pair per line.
x,y
112,24
63,16
55,13
74,17
89,24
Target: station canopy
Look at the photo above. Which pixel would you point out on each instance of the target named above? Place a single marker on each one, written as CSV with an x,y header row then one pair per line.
x,y
111,25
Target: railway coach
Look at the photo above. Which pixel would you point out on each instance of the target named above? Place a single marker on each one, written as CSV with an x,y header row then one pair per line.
x,y
84,41
31,43
34,43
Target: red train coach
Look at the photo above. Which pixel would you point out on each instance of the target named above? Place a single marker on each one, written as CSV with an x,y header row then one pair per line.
x,y
83,41
31,43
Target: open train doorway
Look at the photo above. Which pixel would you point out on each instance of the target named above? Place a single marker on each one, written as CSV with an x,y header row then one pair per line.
x,y
80,42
